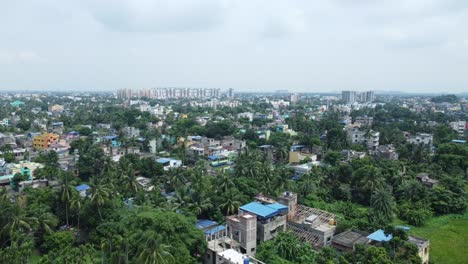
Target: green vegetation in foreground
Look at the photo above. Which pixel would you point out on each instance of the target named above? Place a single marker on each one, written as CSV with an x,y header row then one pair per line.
x,y
448,235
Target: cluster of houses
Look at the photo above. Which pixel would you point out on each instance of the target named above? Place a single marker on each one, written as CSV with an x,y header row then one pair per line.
x,y
237,240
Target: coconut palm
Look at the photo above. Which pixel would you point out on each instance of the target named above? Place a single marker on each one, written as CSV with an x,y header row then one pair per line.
x,y
16,221
288,246
46,221
231,202
152,250
200,204
66,192
225,182
382,202
100,195
76,202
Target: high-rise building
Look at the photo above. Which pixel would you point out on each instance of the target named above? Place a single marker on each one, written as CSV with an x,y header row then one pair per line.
x,y
293,98
230,93
348,97
166,93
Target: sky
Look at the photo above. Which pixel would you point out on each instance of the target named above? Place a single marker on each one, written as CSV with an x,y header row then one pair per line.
x,y
248,45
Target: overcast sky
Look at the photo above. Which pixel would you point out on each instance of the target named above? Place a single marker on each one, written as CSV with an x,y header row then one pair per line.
x,y
308,45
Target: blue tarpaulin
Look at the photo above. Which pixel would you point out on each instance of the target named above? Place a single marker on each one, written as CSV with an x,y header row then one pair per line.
x,y
380,236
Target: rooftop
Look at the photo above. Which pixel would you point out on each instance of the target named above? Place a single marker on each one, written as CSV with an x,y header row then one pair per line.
x,y
349,238
82,187
204,223
262,210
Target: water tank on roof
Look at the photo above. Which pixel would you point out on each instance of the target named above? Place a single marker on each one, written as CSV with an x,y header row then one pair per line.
x,y
246,261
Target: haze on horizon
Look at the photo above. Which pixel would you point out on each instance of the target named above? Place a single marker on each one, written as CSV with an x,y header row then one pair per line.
x,y
299,45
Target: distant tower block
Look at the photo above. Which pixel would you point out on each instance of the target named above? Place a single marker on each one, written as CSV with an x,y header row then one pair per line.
x,y
289,199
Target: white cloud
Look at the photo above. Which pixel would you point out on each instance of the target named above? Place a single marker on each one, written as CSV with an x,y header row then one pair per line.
x,y
157,15
264,44
18,56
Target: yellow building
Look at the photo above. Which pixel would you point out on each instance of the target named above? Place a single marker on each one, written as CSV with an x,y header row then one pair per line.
x,y
57,108
44,140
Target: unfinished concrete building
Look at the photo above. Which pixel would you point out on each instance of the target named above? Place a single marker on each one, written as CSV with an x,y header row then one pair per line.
x,y
347,240
423,248
243,229
312,225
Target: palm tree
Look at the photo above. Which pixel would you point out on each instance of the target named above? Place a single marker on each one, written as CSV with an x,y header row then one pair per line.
x,y
200,204
288,246
100,195
225,182
46,221
66,194
382,202
231,203
306,185
175,178
152,251
77,202
282,154
129,180
16,221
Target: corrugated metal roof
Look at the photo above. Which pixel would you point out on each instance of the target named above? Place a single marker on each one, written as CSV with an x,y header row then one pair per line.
x,y
262,210
215,230
204,223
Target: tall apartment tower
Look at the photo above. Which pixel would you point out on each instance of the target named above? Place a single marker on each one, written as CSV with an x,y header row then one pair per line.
x,y
230,93
348,96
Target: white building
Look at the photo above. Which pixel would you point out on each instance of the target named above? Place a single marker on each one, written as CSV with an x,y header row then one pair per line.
x,y
357,136
459,127
419,138
169,163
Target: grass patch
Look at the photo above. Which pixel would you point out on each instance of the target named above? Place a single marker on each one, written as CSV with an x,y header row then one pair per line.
x,y
448,236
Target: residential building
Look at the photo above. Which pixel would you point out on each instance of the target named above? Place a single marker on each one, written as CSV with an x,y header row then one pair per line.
x,y
349,97
423,246
426,180
44,140
460,127
298,153
368,137
387,152
419,138
347,240
364,120
131,132
169,163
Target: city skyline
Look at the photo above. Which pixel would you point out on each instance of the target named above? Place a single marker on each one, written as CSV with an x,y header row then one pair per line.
x,y
302,46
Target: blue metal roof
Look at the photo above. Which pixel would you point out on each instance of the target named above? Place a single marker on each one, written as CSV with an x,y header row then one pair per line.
x,y
278,206
380,236
213,157
110,137
204,223
262,210
215,230
459,141
82,187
